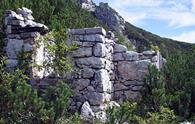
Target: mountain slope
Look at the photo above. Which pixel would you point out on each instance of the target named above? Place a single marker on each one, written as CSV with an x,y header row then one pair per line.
x,y
140,38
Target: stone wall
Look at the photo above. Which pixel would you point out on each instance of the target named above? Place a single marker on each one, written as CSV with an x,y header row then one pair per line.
x,y
105,70
21,33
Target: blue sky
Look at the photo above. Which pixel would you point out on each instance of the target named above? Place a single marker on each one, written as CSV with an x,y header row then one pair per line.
x,y
173,19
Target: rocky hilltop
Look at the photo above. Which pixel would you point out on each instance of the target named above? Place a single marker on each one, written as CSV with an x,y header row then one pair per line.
x,y
140,38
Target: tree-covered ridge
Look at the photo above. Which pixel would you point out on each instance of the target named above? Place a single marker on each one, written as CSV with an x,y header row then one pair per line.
x,y
146,39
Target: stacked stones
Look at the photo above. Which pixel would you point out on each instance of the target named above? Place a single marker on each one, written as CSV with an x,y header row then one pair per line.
x,y
130,69
106,70
21,31
93,62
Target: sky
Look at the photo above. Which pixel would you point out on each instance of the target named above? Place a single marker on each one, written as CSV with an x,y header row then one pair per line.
x,y
173,19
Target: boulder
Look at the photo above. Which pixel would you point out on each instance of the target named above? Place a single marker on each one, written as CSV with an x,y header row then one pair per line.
x,y
86,111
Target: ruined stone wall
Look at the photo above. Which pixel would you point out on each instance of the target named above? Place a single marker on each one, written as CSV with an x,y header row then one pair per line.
x,y
21,33
105,70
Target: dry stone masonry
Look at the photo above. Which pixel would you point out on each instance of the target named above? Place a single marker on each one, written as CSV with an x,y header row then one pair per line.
x,y
105,70
21,33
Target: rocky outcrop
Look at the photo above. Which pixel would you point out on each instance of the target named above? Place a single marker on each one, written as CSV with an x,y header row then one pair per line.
x,y
87,5
110,17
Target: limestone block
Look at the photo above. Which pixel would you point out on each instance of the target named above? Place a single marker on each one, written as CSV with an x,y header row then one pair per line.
x,y
88,44
86,111
91,62
90,38
95,98
149,53
131,56
90,89
83,52
13,48
29,34
136,88
103,80
127,70
99,50
118,48
119,87
96,30
118,57
100,38
87,72
80,84
77,31
16,23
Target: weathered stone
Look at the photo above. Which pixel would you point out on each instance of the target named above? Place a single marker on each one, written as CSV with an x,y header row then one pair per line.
x,y
86,111
119,87
110,35
131,56
118,48
96,30
90,89
87,72
88,44
103,81
99,50
80,84
90,38
127,70
95,98
29,35
133,70
91,62
83,52
118,57
136,88
77,31
101,116
16,23
149,53
13,48
154,59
